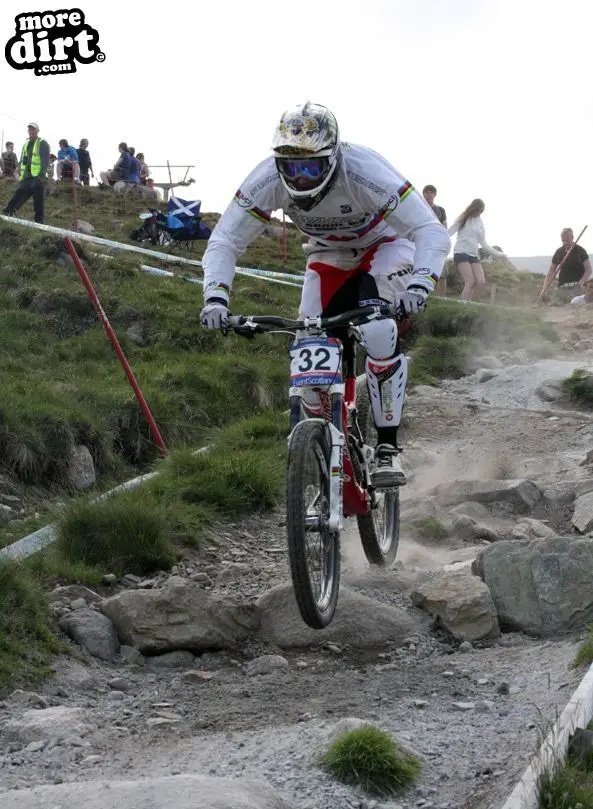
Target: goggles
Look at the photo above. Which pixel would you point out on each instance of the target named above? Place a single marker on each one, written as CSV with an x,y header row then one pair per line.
x,y
309,168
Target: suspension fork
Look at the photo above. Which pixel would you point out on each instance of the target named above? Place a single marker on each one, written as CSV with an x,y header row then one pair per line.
x,y
336,464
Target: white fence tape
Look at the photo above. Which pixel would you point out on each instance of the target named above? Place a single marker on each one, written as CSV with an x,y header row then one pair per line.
x,y
295,280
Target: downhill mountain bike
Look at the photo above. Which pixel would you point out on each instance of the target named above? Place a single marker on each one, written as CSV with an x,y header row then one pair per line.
x,y
329,460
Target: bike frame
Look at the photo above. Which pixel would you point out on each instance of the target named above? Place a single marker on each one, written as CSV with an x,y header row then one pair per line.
x,y
338,406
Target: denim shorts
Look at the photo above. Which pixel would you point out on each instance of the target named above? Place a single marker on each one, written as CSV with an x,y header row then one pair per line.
x,y
463,258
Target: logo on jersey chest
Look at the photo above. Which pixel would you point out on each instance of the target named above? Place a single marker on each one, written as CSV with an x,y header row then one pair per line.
x,y
322,224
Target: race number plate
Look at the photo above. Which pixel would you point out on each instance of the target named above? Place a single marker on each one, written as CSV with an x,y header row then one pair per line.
x,y
315,361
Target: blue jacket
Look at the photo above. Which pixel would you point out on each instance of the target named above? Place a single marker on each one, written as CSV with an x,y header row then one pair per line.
x,y
69,153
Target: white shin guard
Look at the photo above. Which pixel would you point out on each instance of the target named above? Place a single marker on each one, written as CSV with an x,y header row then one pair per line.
x,y
386,381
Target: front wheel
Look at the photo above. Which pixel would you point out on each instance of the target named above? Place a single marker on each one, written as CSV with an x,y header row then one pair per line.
x,y
314,552
379,529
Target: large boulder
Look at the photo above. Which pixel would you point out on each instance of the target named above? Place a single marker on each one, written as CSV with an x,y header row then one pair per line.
x,y
541,587
461,603
172,792
359,622
180,615
513,495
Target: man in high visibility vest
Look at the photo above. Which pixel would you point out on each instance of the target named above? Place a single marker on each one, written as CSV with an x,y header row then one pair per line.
x,y
32,175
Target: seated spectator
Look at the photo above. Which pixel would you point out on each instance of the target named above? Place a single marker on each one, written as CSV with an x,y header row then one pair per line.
x,y
68,159
10,162
50,166
121,170
588,296
144,170
134,175
86,164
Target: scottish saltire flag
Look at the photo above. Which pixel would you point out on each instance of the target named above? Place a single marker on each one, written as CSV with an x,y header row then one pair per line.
x,y
184,209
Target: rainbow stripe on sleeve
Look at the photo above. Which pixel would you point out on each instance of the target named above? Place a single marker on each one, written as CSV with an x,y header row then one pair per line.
x,y
405,190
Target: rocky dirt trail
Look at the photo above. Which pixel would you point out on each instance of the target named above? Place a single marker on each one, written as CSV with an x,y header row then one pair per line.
x,y
462,651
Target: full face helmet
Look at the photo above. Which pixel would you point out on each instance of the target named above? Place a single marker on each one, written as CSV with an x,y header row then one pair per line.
x,y
307,151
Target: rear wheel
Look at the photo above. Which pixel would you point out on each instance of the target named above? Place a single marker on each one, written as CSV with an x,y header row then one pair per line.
x,y
314,552
379,529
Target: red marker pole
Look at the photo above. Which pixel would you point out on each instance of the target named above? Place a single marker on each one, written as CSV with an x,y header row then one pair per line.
x,y
116,346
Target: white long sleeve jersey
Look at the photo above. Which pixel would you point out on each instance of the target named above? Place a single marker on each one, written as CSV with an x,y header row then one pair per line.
x,y
368,201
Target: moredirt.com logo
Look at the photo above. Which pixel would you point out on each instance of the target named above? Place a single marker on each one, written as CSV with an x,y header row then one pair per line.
x,y
49,42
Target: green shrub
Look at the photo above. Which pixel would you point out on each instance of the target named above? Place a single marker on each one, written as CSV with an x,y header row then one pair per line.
x,y
579,386
125,533
435,358
372,760
584,656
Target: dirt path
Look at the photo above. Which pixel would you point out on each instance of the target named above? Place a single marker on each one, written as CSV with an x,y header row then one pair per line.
x,y
473,714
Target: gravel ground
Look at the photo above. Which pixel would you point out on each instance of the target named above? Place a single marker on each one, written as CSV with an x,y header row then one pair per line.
x,y
447,705
512,387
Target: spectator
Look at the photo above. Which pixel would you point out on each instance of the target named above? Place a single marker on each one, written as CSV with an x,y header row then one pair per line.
x,y
588,296
135,168
85,162
574,272
32,175
144,170
121,170
429,193
67,159
10,161
466,256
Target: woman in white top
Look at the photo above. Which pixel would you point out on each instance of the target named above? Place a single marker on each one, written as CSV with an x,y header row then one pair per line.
x,y
466,254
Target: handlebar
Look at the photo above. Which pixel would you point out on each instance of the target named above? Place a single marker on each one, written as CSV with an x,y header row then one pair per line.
x,y
248,326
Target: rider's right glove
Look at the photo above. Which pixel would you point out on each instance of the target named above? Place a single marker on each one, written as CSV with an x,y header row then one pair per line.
x,y
413,300
215,315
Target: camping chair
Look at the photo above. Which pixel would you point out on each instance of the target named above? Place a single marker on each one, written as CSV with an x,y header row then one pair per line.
x,y
181,226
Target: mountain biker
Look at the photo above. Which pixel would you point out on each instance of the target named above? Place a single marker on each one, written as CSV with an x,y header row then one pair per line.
x,y
363,221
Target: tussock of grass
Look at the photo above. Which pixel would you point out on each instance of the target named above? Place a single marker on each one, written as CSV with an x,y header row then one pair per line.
x,y
490,324
579,386
430,528
27,643
571,787
584,656
435,358
371,759
126,533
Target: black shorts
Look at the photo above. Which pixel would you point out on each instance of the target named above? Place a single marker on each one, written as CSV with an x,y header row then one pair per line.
x,y
465,258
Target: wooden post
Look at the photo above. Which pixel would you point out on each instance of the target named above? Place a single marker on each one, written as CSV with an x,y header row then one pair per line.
x,y
492,293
